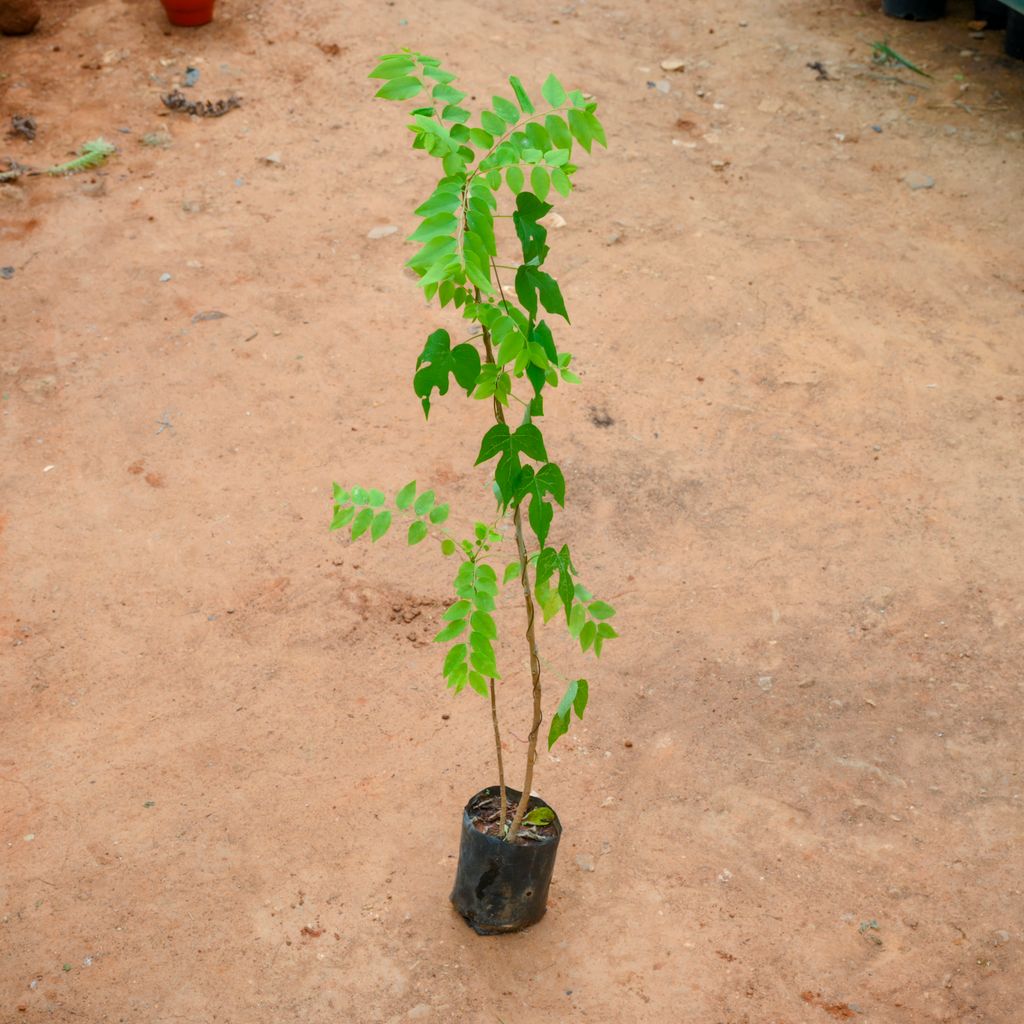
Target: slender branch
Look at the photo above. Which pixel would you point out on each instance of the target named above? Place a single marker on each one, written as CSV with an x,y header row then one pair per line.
x,y
501,764
531,637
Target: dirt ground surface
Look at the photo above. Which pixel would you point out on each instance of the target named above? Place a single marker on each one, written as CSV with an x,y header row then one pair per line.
x,y
228,788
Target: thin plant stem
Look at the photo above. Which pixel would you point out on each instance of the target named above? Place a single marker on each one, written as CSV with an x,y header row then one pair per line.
x,y
531,637
501,763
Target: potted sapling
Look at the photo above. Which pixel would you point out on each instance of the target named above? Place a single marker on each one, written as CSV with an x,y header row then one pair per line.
x,y
481,254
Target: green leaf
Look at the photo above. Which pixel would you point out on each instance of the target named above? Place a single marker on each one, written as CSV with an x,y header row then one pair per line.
x,y
394,67
381,522
549,292
458,115
438,75
596,129
482,623
580,127
553,91
605,631
505,110
587,635
342,517
417,531
550,479
362,523
403,499
575,699
524,100
600,610
496,441
526,291
539,816
403,88
375,498
512,570
456,656
556,157
540,183
529,440
559,727
459,610
447,547
451,631
435,252
515,178
510,347
480,138
577,619
541,514
579,701
434,226
483,662
559,132
447,94
424,503
439,515
461,362
561,181
537,136
477,681
490,122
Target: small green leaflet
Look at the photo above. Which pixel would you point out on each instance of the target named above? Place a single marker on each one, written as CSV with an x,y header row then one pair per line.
x,y
395,67
402,88
405,496
505,110
524,100
380,524
362,523
539,816
575,699
553,91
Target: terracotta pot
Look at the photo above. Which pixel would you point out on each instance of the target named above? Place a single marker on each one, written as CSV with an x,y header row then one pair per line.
x,y
189,13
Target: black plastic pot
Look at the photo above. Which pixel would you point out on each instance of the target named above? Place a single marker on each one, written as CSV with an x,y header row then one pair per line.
x,y
915,10
1014,42
992,12
502,887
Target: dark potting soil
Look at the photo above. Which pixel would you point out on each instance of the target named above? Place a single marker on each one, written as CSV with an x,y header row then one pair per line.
x,y
486,812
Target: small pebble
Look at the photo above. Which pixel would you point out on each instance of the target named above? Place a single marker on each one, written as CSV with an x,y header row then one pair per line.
x,y
585,862
164,278
917,181
381,232
765,682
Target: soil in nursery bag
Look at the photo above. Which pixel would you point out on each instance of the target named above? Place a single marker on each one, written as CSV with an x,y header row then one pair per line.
x,y
501,886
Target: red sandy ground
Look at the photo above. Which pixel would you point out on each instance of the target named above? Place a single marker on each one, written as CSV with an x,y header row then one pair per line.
x,y
227,791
